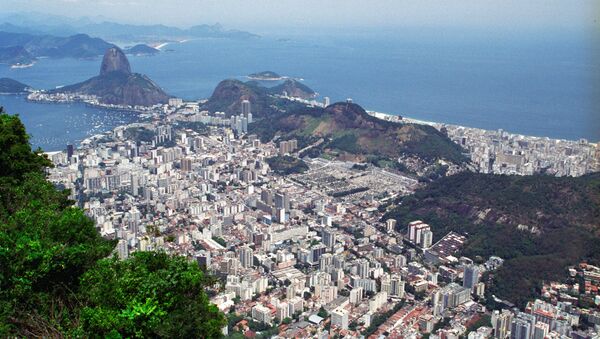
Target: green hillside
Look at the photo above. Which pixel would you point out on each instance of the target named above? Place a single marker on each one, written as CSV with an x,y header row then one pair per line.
x,y
350,133
561,214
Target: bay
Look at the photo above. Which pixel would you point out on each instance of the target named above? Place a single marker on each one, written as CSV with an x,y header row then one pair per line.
x,y
542,85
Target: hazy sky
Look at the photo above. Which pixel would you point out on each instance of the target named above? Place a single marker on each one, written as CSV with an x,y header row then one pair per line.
x,y
247,14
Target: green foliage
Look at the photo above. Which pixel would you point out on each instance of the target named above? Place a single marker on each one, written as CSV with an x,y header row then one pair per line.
x,y
286,165
346,142
561,208
322,313
139,134
151,294
54,280
16,156
379,319
484,321
194,126
353,131
220,241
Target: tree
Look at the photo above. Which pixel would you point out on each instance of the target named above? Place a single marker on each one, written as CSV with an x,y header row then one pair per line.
x,y
55,280
322,313
151,294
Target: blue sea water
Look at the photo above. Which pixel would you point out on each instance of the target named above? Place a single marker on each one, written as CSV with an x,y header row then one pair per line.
x,y
533,84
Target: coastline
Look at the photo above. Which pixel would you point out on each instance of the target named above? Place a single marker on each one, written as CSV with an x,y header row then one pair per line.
x,y
438,125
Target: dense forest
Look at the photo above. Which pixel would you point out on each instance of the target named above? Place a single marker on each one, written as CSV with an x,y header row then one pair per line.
x,y
559,221
59,277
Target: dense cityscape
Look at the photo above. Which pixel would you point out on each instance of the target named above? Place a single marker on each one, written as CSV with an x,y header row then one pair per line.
x,y
286,169
307,253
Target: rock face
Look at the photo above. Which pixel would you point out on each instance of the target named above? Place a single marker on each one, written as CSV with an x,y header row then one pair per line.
x,y
117,85
114,60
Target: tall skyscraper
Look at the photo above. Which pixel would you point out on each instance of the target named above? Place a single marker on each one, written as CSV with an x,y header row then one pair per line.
x,y
326,101
246,108
70,151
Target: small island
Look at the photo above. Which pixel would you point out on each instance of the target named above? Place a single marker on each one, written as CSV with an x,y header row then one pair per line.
x,y
141,49
266,76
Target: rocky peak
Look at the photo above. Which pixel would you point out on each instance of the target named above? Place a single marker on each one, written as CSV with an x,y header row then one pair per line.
x,y
114,60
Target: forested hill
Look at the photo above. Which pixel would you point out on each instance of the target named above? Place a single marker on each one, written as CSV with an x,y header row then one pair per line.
x,y
58,277
352,134
559,222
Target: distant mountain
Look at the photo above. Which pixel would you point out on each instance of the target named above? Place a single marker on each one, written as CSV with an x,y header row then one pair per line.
x,y
11,86
75,46
63,26
141,49
15,55
538,224
117,85
294,88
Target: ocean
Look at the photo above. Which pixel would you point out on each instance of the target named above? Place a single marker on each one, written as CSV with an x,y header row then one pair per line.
x,y
532,84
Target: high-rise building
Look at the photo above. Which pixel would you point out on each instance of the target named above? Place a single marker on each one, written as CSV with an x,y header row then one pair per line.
x,y
246,257
70,151
540,331
316,252
471,276
390,224
416,230
329,237
363,268
123,249
326,101
356,295
426,239
501,322
261,314
246,108
186,164
522,326
339,318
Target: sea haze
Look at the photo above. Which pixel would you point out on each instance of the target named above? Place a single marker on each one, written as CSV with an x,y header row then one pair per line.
x,y
534,84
